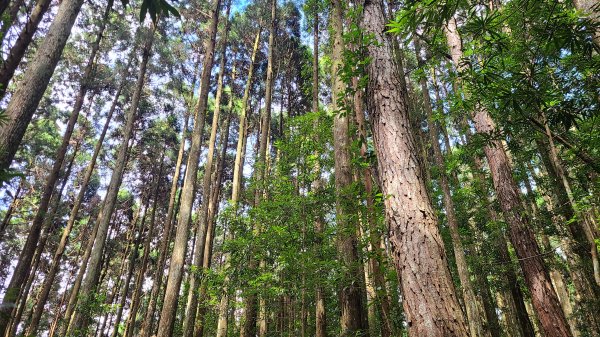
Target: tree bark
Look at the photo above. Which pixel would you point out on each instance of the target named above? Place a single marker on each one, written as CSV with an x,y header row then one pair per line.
x,y
475,319
30,90
54,268
353,315
429,298
544,298
168,312
17,51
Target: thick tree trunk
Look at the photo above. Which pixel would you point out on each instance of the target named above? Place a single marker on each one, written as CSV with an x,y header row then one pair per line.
x,y
30,90
429,298
81,317
168,312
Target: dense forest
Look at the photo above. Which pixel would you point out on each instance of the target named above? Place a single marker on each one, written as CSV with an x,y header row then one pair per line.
x,y
422,168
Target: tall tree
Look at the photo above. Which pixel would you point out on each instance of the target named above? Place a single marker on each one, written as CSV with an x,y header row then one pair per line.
x,y
29,92
167,316
430,302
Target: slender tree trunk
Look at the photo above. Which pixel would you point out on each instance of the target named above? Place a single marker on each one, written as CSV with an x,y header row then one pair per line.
x,y
17,51
22,269
136,235
475,319
30,90
54,268
10,17
544,298
429,298
353,313
320,316
11,208
238,168
374,237
250,314
139,282
190,322
81,318
147,325
168,313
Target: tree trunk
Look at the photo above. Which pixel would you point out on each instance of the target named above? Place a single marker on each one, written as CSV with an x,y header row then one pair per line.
x,y
353,313
587,7
54,268
30,90
139,282
475,319
168,312
17,51
544,298
9,18
136,235
148,324
22,269
320,316
238,168
260,169
81,318
429,299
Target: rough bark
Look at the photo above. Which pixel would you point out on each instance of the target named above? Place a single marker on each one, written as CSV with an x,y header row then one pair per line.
x,y
168,312
429,298
30,90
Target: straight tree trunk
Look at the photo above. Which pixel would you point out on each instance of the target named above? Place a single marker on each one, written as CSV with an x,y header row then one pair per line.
x,y
169,309
189,321
148,324
81,318
429,298
475,319
54,268
544,299
136,236
320,316
238,168
17,51
353,313
21,271
30,90
139,282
